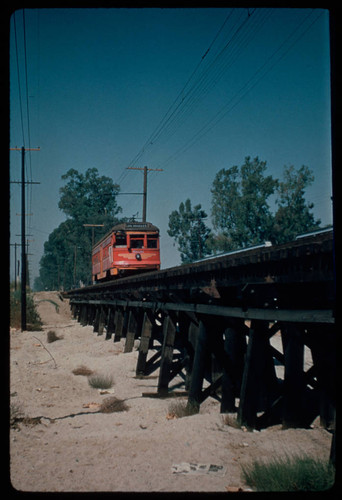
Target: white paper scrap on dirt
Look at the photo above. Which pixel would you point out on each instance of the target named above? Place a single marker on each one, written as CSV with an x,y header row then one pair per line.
x,y
193,468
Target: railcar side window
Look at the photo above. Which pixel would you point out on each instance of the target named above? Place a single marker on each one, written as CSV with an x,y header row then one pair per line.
x,y
120,240
152,242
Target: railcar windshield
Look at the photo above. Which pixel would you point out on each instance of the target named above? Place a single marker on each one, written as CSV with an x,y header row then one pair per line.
x,y
152,241
120,240
137,241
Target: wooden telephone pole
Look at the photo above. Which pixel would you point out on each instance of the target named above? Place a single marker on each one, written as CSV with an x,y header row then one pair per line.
x,y
146,170
23,232
92,231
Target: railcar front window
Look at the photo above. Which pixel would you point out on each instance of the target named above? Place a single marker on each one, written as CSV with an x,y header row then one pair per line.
x,y
120,240
135,243
152,242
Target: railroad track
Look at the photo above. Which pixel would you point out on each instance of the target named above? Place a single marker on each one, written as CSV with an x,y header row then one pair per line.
x,y
194,318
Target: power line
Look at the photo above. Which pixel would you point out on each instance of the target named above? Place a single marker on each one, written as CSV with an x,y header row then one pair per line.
x,y
18,73
170,112
263,70
26,84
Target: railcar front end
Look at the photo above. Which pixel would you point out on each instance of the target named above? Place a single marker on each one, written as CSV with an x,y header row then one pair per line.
x,y
130,247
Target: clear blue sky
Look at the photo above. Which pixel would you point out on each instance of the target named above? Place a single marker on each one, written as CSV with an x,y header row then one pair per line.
x,y
100,81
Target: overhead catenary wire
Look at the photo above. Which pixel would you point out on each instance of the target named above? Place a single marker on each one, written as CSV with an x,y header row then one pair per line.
x,y
201,82
28,169
190,95
180,100
210,79
18,74
27,184
258,75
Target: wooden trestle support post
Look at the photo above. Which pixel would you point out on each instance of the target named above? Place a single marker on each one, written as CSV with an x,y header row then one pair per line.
x,y
241,374
215,348
214,320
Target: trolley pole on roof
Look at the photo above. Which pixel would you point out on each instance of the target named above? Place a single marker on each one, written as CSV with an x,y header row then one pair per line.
x,y
146,170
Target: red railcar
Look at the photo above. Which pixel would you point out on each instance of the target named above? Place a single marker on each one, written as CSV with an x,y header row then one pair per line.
x,y
128,248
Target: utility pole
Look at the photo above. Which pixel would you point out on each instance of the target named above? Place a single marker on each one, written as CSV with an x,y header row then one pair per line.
x,y
92,231
146,170
23,230
16,270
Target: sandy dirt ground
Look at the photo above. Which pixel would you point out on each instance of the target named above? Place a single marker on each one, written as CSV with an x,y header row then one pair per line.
x,y
75,448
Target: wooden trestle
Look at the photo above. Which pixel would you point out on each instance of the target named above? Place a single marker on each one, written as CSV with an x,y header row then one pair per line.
x,y
214,320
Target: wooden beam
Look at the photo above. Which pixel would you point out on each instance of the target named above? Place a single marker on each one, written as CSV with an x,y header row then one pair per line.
x,y
255,384
234,349
110,328
119,317
294,376
286,315
102,320
131,331
200,360
169,334
146,332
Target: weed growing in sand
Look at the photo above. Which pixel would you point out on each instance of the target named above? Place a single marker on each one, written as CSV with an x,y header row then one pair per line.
x,y
179,409
112,405
99,381
297,473
231,420
34,322
82,370
16,413
52,336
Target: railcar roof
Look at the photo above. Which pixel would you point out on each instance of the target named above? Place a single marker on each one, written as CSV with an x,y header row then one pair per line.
x,y
135,226
129,226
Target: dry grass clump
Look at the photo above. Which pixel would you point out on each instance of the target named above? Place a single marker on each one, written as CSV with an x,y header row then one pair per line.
x,y
231,420
17,416
179,409
297,473
52,336
100,381
82,370
113,405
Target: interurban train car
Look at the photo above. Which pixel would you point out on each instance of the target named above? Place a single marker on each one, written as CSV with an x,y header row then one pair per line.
x,y
130,247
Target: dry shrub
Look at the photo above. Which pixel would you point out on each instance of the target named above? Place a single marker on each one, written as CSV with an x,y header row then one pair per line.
x,y
16,414
100,381
82,370
52,336
113,405
231,420
179,409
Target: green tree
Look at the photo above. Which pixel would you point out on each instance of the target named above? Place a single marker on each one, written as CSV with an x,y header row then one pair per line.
x,y
85,199
88,196
240,209
187,227
294,215
241,213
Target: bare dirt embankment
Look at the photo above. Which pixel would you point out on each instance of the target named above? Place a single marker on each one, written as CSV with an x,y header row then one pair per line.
x,y
76,448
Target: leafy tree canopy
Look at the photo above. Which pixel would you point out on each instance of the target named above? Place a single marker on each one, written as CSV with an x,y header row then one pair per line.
x,y
241,212
187,226
85,199
293,215
240,209
88,196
